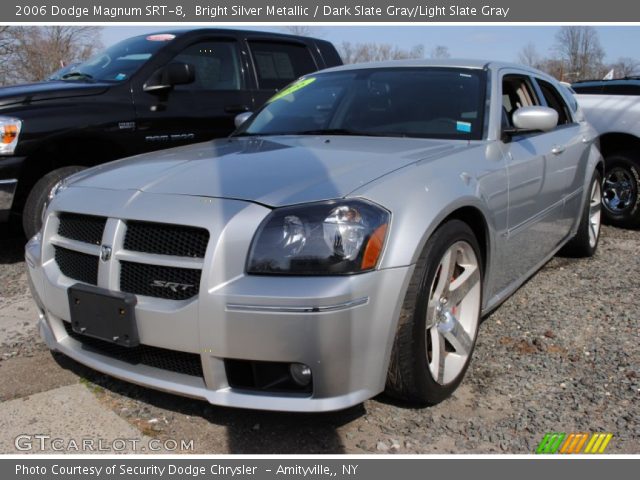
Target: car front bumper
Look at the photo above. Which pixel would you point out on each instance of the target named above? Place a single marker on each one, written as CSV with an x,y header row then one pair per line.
x,y
341,327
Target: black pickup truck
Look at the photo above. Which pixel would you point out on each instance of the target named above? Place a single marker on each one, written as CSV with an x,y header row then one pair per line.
x,y
145,93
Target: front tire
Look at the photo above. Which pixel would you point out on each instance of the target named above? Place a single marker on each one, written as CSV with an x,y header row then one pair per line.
x,y
38,198
621,191
439,320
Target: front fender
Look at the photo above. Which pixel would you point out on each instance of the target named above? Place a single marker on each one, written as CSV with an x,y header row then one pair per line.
x,y
421,196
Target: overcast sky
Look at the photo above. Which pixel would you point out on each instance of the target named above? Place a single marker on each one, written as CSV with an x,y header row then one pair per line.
x,y
495,43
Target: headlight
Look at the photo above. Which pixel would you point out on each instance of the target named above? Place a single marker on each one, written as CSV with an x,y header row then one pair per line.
x,y
9,133
328,238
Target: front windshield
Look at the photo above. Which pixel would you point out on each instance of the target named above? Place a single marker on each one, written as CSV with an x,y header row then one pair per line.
x,y
118,62
396,102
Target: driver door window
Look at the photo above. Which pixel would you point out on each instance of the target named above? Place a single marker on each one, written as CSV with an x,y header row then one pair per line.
x,y
217,66
517,92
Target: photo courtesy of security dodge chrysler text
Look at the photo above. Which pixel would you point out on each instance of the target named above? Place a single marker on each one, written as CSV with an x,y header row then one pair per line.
x,y
346,239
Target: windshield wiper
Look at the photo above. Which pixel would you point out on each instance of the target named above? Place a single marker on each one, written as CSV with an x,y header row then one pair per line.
x,y
331,131
335,131
81,75
244,134
324,131
346,131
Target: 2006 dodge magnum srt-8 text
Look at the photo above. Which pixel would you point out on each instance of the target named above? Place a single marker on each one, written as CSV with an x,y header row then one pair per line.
x,y
345,240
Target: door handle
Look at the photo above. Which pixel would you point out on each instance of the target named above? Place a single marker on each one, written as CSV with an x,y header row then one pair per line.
x,y
557,150
236,108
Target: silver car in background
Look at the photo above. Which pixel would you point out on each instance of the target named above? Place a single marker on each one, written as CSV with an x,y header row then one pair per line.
x,y
345,241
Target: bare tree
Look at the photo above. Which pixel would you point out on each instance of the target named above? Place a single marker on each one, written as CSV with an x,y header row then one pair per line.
x,y
529,56
33,53
440,51
375,52
304,30
553,67
625,67
417,51
580,50
5,53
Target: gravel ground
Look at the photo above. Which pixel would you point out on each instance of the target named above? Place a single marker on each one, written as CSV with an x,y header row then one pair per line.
x,y
562,355
14,293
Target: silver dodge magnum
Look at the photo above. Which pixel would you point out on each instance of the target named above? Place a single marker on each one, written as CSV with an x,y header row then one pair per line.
x,y
346,240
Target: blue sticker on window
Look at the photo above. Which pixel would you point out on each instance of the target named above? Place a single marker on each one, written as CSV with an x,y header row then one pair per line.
x,y
463,127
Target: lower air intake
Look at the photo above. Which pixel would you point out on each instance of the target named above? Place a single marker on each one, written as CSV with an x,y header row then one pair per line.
x,y
162,358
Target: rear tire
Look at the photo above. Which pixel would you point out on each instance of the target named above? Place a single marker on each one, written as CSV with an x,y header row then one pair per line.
x,y
439,320
38,198
621,191
585,242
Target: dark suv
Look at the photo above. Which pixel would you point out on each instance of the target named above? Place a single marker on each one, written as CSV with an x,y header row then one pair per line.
x,y
144,93
613,108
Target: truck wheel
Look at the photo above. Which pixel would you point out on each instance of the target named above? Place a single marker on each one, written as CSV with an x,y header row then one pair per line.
x,y
38,198
585,243
439,319
620,196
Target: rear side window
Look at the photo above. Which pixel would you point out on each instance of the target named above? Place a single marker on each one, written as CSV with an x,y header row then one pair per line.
x,y
329,54
569,96
278,64
587,89
622,89
217,66
554,100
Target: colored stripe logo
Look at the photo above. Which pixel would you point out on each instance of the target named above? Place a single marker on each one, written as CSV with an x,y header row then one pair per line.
x,y
556,442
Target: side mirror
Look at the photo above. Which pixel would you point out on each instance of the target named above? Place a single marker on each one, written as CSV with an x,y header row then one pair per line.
x,y
535,119
241,118
169,76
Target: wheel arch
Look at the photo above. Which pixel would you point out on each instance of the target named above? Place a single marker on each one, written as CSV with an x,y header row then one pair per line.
x,y
467,211
476,220
618,142
86,151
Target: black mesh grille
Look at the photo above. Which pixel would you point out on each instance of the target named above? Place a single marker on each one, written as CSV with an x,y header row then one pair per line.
x,y
157,281
84,228
172,360
166,239
76,265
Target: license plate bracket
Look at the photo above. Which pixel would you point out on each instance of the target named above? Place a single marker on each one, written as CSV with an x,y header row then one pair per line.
x,y
103,314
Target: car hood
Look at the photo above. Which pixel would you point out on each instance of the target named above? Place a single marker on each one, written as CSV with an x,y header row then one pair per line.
x,y
273,171
34,92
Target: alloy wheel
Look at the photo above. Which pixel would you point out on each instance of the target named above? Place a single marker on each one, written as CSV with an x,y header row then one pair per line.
x,y
595,213
618,192
453,312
